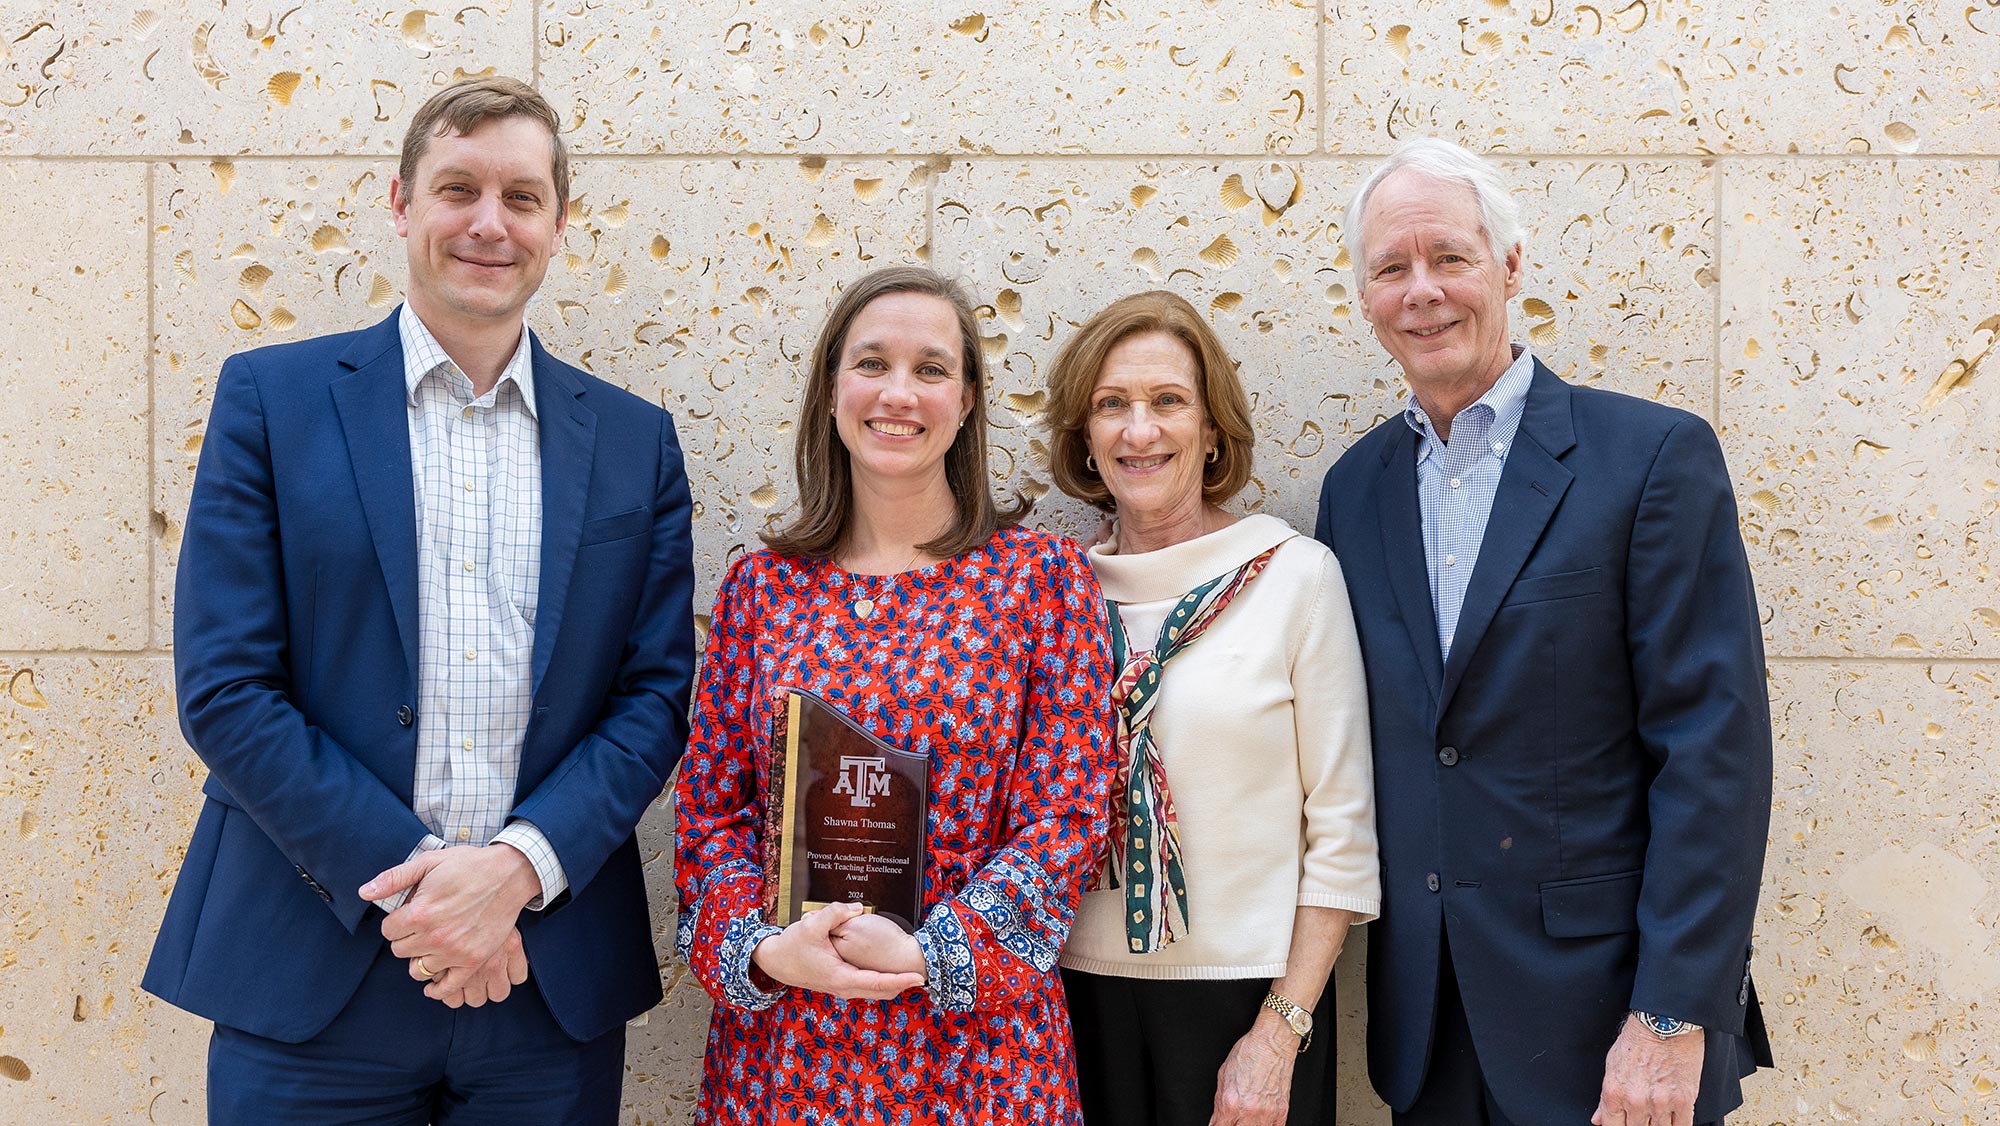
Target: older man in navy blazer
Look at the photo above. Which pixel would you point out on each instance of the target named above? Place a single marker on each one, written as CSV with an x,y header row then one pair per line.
x,y
1566,677
433,641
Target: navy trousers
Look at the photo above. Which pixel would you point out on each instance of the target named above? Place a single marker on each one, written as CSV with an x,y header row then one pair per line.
x,y
394,1057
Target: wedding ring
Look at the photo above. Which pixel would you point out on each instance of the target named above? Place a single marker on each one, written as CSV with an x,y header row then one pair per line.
x,y
425,970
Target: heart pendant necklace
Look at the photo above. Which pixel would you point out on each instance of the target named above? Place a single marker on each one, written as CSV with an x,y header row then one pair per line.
x,y
865,607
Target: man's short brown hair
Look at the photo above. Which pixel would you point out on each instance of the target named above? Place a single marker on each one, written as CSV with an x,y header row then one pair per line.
x,y
464,105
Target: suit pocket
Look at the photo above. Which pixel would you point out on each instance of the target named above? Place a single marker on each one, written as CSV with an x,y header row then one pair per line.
x,y
1591,905
617,527
1548,588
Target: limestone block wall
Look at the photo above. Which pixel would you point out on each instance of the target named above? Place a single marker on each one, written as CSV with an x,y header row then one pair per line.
x,y
1782,217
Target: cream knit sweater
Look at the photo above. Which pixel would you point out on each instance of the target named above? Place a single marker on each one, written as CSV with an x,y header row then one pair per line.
x,y
1262,724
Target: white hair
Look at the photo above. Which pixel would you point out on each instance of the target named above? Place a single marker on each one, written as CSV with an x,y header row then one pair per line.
x,y
1440,160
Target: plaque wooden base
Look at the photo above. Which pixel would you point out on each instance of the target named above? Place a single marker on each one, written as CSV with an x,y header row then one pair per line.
x,y
843,817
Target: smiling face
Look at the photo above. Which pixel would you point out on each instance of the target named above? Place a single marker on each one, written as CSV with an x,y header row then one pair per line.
x,y
1432,289
900,390
481,221
1146,428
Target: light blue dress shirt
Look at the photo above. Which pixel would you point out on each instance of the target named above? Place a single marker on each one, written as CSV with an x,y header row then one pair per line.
x,y
1456,481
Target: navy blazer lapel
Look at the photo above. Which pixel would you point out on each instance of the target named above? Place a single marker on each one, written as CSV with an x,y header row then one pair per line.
x,y
569,444
373,402
1531,486
1401,521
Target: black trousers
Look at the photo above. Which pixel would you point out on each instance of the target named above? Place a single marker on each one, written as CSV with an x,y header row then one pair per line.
x,y
1454,1091
1148,1052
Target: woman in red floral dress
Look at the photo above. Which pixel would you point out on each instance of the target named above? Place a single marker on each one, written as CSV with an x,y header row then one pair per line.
x,y
902,595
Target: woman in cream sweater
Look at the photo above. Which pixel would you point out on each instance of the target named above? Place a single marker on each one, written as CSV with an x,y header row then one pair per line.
x,y
1243,825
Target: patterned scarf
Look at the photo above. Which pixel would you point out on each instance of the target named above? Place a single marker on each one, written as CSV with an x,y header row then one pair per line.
x,y
1145,839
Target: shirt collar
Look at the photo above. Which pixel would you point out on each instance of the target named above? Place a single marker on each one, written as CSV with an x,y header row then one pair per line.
x,y
422,355
1506,399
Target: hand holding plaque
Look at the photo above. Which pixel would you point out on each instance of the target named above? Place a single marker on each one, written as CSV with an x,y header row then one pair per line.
x,y
843,817
808,955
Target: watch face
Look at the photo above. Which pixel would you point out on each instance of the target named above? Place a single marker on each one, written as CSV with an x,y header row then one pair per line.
x,y
1301,1021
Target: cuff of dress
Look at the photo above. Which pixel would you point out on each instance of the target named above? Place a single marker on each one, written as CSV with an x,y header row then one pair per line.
x,y
431,843
739,941
951,976
534,844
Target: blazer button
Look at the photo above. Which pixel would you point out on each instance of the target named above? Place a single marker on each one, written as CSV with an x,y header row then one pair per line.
x,y
1432,882
1448,755
404,715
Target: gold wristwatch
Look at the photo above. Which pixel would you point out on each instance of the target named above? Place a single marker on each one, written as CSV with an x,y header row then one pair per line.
x,y
1300,1020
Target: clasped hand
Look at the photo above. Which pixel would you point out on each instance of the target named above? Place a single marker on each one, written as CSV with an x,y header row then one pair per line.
x,y
458,920
842,951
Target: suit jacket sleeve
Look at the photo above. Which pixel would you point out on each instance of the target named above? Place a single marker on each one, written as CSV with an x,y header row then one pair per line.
x,y
329,814
1703,715
1323,525
588,805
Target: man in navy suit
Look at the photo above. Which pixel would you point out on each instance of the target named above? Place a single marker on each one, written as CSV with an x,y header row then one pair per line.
x,y
433,640
1566,677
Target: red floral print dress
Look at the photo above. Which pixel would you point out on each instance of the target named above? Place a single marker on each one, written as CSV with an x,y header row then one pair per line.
x,y
995,664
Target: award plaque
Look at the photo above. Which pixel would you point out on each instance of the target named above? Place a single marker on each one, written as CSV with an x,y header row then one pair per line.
x,y
843,817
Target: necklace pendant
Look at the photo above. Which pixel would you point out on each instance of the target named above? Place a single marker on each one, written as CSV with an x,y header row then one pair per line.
x,y
864,608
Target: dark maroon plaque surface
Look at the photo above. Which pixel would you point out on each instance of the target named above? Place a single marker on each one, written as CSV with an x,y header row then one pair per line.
x,y
843,817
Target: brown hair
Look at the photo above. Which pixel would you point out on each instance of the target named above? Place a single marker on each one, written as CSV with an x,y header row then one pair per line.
x,y
1073,377
464,105
820,460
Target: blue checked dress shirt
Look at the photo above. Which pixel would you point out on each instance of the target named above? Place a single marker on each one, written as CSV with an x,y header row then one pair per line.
x,y
1456,481
476,464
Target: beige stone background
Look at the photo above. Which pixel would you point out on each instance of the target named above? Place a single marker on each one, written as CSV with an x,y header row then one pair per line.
x,y
1780,216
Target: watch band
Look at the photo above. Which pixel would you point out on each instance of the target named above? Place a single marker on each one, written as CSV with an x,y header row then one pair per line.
x,y
1299,1020
1664,1027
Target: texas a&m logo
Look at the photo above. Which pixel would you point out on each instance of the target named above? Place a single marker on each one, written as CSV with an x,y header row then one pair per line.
x,y
863,779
